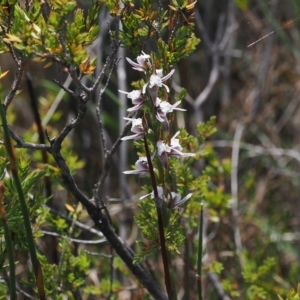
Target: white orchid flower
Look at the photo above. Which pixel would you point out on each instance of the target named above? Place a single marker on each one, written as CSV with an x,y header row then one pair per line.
x,y
163,108
142,167
156,81
173,150
137,100
137,128
142,62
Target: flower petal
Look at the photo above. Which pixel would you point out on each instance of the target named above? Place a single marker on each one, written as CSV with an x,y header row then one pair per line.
x,y
167,76
135,65
123,92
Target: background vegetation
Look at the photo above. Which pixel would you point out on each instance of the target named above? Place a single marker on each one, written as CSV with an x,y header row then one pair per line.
x,y
246,177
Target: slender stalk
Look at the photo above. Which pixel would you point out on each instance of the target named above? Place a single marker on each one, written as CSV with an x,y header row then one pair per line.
x,y
199,264
158,204
13,166
9,246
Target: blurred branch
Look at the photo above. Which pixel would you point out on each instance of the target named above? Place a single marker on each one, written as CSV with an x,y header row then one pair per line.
x,y
187,97
215,49
261,79
258,150
16,83
279,30
82,108
98,110
110,61
213,277
64,89
77,223
98,254
215,280
213,77
87,242
7,282
227,44
234,185
288,113
123,149
123,153
204,35
108,158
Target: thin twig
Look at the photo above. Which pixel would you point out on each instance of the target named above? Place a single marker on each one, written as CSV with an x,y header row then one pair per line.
x,y
77,223
256,150
213,78
90,242
108,158
214,278
16,83
64,89
97,254
223,35
22,144
82,108
98,109
109,61
200,25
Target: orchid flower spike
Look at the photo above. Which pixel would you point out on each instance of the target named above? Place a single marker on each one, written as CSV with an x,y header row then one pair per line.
x,y
137,128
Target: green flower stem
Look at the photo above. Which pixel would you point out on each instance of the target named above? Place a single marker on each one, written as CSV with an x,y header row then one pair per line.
x,y
13,166
200,246
9,246
158,205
